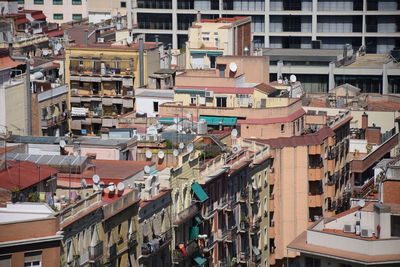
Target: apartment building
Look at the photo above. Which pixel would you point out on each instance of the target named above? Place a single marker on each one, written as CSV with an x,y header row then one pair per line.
x,y
302,188
30,235
58,11
215,37
101,79
13,95
366,235
278,23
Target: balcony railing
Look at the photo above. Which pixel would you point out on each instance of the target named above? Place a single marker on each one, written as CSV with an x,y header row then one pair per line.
x,y
96,252
186,214
156,244
99,71
132,239
244,255
210,242
191,248
244,194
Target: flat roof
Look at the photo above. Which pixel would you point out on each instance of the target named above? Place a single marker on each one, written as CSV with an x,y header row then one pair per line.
x,y
300,244
371,61
24,211
303,54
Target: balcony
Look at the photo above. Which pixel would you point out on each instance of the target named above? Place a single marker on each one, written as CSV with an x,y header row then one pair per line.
x,y
191,248
255,196
210,242
255,226
314,149
161,242
132,239
244,256
230,234
99,71
244,226
222,234
244,194
186,214
96,252
55,120
256,258
222,202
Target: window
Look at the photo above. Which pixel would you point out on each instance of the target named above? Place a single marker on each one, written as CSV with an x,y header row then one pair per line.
x,y
221,102
21,2
155,106
243,99
57,2
123,4
282,128
311,262
395,225
33,259
193,99
77,2
38,2
76,16
5,260
58,16
205,36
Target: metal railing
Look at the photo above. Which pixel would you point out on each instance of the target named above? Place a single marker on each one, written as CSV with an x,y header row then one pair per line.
x,y
162,240
96,251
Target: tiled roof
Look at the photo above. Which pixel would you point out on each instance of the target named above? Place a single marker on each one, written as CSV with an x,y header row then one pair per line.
x,y
265,88
6,62
304,140
383,106
24,174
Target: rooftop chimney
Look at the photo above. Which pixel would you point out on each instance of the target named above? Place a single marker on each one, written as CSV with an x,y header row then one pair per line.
x,y
364,121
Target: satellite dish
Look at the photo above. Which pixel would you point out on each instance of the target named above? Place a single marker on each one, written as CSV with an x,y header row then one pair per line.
x,y
96,179
146,169
233,66
120,187
161,154
45,52
111,187
129,39
181,145
84,183
293,78
235,148
55,52
58,46
361,203
149,154
189,148
62,143
234,133
176,152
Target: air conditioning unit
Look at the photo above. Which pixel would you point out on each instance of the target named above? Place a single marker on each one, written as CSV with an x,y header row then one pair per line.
x,y
100,40
349,228
209,93
366,233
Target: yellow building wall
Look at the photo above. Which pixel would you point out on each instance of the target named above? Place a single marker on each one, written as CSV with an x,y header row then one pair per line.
x,y
16,108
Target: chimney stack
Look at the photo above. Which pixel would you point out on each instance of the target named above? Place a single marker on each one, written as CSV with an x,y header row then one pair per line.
x,y
364,121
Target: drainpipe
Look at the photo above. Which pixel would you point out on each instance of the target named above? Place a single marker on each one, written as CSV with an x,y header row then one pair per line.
x,y
28,123
129,15
141,61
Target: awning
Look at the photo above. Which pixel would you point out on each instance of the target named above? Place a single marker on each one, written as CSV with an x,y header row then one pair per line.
x,y
200,261
256,251
194,232
190,91
199,192
198,219
207,52
166,120
219,120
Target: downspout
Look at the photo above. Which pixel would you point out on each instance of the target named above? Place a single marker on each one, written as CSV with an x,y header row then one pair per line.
x,y
28,123
141,61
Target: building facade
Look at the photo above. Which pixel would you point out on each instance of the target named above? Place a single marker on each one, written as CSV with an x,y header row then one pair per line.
x,y
279,23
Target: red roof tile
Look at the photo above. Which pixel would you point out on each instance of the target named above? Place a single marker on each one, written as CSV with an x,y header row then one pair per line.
x,y
383,106
24,174
221,90
7,62
266,88
55,33
304,140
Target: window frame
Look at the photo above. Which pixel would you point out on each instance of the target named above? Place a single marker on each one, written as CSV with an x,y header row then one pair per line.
x,y
73,15
61,16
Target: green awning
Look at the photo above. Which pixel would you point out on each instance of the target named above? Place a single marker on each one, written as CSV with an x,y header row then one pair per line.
x,y
198,219
220,120
199,192
207,52
194,232
166,120
190,91
200,261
